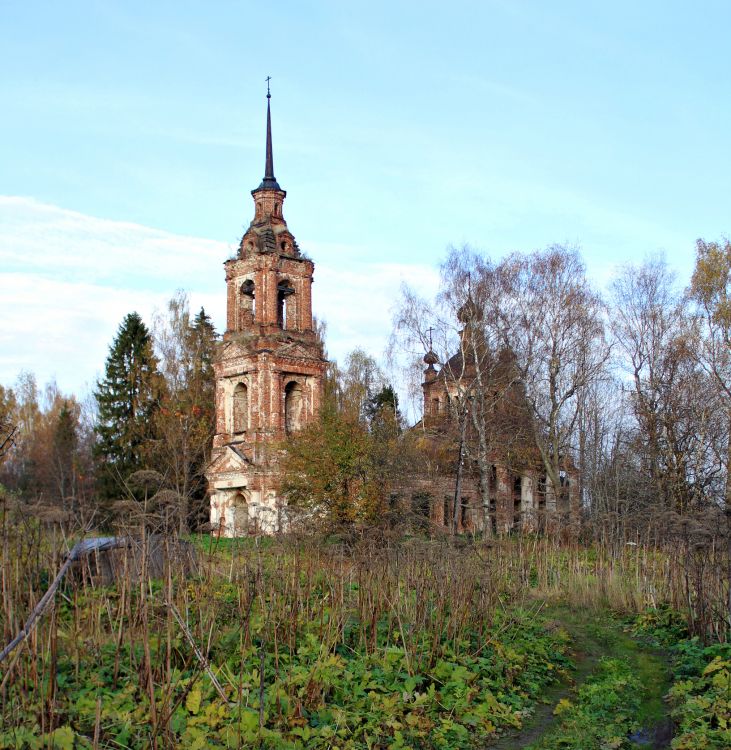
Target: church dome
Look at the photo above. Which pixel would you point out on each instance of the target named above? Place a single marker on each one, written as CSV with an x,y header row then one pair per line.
x,y
431,358
469,312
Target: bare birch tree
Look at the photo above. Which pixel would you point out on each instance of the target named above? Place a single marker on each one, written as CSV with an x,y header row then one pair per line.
x,y
554,325
461,328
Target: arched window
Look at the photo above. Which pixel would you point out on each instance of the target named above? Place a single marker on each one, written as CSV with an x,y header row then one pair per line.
x,y
248,296
241,408
435,406
284,290
292,407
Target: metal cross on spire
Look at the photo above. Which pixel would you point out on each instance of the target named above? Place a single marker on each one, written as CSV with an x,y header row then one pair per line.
x,y
429,331
269,182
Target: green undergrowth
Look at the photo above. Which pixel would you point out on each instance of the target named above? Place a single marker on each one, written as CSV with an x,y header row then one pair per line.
x,y
314,697
419,644
603,712
700,696
618,688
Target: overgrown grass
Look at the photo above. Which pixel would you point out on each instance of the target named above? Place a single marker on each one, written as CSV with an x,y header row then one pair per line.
x,y
603,713
700,697
619,691
351,643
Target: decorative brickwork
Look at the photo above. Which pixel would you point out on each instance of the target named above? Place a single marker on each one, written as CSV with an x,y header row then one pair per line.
x,y
269,369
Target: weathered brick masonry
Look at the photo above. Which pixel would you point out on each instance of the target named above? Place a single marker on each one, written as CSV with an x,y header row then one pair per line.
x,y
269,379
270,366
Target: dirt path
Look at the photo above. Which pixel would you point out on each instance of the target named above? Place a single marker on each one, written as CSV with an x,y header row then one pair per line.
x,y
594,637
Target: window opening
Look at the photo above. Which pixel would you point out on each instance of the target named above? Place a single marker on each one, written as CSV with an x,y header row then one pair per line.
x,y
241,408
292,407
247,291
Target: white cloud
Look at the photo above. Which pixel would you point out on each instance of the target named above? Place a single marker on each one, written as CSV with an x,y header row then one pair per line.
x,y
55,242
68,280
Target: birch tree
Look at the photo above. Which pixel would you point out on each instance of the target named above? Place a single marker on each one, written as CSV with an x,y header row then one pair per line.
x,y
553,321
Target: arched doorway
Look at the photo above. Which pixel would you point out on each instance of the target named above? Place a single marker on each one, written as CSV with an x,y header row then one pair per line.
x,y
248,298
240,514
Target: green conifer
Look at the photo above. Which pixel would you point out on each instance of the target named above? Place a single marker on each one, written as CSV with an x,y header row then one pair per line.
x,y
127,399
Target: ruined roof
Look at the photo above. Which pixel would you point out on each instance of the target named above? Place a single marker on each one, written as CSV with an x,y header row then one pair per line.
x,y
239,452
267,241
96,544
454,365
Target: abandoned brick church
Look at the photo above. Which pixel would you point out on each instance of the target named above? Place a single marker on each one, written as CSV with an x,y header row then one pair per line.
x,y
269,371
269,382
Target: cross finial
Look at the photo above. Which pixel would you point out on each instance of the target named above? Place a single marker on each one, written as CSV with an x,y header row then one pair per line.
x,y
429,331
269,182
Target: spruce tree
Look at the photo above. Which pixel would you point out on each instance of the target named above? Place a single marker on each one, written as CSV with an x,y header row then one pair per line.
x,y
202,348
127,399
63,454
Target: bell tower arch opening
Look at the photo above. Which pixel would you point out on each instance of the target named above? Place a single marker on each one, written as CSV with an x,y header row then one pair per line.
x,y
248,297
284,305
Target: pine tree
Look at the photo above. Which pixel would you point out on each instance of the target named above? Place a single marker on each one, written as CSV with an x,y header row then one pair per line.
x,y
127,399
382,412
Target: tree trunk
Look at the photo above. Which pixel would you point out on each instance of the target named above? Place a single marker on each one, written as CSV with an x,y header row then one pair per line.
x,y
483,465
728,519
460,469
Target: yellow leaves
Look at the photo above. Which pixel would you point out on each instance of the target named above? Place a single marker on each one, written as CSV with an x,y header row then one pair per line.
x,y
613,743
488,726
61,738
562,706
715,665
711,281
193,701
194,739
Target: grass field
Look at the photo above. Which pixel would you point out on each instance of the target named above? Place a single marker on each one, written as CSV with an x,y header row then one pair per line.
x,y
372,642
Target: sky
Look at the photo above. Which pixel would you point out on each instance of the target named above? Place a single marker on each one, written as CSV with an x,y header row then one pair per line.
x,y
132,134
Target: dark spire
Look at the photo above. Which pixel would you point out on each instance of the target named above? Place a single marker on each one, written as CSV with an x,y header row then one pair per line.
x,y
269,182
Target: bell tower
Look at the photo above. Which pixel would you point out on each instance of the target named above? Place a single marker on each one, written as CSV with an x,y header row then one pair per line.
x,y
270,366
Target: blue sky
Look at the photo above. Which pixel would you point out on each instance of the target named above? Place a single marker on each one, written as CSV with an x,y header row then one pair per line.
x,y
132,134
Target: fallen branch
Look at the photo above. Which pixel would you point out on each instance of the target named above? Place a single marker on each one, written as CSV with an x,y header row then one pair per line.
x,y
41,607
198,653
84,546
